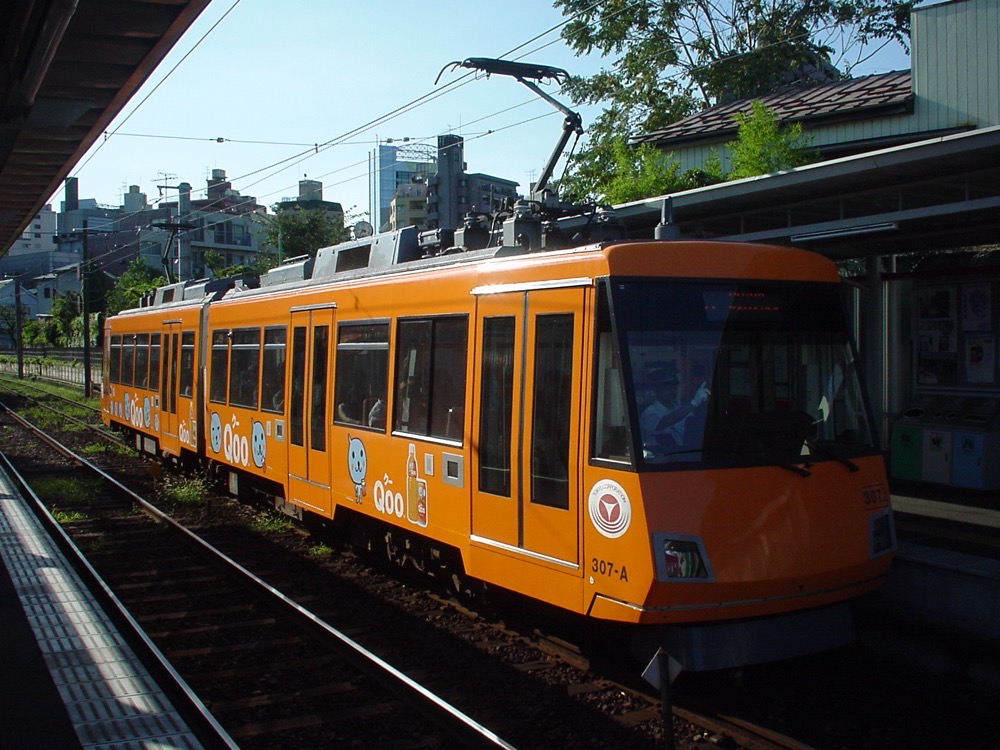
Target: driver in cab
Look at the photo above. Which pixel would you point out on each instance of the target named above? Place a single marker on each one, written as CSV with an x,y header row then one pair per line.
x,y
664,422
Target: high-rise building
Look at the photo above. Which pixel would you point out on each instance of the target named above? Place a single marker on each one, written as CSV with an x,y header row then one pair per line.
x,y
393,166
452,192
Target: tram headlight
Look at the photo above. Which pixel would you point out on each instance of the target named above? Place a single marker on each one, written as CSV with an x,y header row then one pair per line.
x,y
680,558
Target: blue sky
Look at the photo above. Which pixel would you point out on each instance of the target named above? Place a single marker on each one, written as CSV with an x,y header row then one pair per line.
x,y
273,78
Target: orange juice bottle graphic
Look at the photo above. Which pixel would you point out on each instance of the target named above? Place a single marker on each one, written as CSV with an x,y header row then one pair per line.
x,y
412,486
422,502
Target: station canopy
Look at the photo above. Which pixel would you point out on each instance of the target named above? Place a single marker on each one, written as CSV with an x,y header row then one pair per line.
x,y
937,194
68,68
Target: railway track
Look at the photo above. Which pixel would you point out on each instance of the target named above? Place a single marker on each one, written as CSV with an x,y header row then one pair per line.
x,y
539,690
217,630
220,626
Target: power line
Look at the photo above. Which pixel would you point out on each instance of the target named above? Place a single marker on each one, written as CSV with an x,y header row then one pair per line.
x,y
314,149
157,86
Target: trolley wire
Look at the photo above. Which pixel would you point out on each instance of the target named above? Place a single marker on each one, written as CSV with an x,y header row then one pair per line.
x,y
317,148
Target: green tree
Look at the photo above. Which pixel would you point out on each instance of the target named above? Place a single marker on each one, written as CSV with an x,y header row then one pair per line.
x,y
8,320
639,173
214,262
300,232
65,308
138,279
763,145
41,333
669,60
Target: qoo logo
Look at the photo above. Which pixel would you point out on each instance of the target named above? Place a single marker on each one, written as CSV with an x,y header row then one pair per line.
x,y
610,508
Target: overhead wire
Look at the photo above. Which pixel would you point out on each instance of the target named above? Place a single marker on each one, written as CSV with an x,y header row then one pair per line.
x,y
157,86
311,150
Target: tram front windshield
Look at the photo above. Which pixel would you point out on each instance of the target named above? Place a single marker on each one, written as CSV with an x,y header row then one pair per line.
x,y
728,374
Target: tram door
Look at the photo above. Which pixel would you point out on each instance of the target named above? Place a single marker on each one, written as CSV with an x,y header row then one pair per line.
x,y
169,380
525,472
309,408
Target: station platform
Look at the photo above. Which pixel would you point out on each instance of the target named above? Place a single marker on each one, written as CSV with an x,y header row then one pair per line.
x,y
947,567
69,678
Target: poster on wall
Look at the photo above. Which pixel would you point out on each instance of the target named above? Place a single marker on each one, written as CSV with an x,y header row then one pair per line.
x,y
976,307
936,320
979,359
939,371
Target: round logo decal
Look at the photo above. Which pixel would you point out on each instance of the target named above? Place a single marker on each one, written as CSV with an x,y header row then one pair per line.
x,y
610,508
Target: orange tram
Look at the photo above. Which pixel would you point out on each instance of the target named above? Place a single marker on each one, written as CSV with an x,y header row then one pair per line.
x,y
667,434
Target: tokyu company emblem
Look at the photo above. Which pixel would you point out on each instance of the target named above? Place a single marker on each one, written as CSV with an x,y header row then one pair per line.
x,y
610,508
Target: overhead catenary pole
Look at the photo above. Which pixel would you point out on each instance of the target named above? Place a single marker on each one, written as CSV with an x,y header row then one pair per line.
x,y
19,328
84,272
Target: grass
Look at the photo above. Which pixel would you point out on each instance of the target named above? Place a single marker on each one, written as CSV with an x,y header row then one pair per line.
x,y
320,550
108,447
183,491
64,517
269,524
66,491
42,417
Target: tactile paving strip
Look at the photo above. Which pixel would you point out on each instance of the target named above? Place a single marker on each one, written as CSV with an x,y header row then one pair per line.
x,y
113,702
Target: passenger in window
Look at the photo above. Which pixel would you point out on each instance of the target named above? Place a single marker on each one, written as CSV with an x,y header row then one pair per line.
x,y
664,422
376,416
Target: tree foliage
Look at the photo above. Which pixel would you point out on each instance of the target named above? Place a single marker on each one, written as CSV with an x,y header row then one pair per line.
x,y
65,308
711,52
671,59
299,232
763,145
138,279
633,174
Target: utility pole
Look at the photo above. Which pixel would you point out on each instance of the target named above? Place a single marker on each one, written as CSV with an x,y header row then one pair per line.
x,y
19,327
84,272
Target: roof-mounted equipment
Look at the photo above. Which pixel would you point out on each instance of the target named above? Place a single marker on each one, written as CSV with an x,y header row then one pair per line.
x,y
527,73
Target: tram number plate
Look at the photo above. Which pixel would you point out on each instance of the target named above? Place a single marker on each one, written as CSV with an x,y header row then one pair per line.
x,y
875,496
609,569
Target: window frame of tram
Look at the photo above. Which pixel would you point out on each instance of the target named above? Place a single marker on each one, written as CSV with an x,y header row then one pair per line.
x,y
273,370
186,378
115,359
496,405
320,376
128,359
141,361
361,377
610,435
431,377
154,361
317,388
551,409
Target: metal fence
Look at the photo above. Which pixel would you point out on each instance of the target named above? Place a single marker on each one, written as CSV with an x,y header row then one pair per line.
x,y
64,365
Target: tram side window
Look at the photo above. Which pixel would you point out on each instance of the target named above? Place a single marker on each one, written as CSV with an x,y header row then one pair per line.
x,y
115,365
187,364
128,359
296,414
244,370
142,360
550,413
362,374
430,377
273,381
610,438
154,361
220,366
317,413
496,406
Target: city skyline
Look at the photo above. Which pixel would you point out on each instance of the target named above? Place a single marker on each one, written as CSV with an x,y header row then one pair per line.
x,y
269,99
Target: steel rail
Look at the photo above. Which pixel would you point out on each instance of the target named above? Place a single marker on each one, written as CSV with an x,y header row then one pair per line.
x,y
436,708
